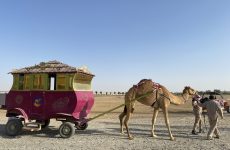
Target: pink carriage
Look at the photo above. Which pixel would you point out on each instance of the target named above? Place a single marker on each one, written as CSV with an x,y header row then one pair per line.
x,y
50,90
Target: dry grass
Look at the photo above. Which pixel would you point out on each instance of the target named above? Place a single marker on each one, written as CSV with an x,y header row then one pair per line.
x,y
104,103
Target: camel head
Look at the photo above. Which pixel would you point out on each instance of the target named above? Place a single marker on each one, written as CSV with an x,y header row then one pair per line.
x,y
187,92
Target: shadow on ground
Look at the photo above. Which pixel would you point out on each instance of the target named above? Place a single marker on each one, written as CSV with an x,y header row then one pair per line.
x,y
113,129
49,132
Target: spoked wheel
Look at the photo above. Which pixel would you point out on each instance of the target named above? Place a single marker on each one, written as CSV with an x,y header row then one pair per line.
x,y
44,123
81,126
14,127
66,130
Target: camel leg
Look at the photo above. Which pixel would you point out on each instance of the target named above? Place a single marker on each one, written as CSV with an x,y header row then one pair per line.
x,y
155,113
128,115
165,111
121,118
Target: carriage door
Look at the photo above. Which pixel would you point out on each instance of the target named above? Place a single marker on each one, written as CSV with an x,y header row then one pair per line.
x,y
38,97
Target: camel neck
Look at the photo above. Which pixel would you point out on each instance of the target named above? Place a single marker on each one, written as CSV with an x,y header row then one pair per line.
x,y
185,96
177,100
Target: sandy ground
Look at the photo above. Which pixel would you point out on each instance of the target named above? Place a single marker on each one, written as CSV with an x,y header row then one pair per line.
x,y
103,133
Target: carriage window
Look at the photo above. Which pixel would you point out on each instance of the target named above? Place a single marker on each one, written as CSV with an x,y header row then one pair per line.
x,y
82,85
61,82
52,82
82,82
38,82
27,82
15,82
70,85
21,81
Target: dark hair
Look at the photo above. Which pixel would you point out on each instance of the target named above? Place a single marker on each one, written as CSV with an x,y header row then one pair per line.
x,y
203,100
211,97
193,99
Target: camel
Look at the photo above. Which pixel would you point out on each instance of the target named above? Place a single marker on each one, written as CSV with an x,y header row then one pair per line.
x,y
158,97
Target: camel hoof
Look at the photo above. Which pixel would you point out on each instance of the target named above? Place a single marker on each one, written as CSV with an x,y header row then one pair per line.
x,y
131,138
172,139
122,133
154,135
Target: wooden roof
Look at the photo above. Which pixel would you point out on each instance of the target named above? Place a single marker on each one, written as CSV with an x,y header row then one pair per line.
x,y
51,67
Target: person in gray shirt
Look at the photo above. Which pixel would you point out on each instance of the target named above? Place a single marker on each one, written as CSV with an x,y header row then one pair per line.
x,y
213,110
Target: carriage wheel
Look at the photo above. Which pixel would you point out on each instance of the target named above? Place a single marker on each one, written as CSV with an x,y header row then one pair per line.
x,y
14,127
66,130
81,126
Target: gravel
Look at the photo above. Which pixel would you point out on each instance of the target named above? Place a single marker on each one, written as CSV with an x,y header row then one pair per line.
x,y
103,133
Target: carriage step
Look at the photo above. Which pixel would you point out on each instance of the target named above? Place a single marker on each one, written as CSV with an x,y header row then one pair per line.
x,y
32,126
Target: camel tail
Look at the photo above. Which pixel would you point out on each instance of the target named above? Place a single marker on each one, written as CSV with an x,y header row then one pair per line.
x,y
125,110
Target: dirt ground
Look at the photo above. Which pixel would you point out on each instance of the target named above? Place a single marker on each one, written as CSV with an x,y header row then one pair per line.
x,y
103,133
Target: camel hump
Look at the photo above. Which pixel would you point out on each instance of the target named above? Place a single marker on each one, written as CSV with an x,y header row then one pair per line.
x,y
143,81
155,84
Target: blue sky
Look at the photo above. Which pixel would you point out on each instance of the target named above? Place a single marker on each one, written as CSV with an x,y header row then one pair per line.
x,y
175,43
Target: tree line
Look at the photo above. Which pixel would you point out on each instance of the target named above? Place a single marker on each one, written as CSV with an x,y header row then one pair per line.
x,y
108,93
177,93
208,91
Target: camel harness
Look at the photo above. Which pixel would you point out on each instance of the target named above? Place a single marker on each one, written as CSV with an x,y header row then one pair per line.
x,y
156,87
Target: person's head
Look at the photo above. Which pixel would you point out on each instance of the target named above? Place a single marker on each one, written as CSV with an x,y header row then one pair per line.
x,y
211,97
